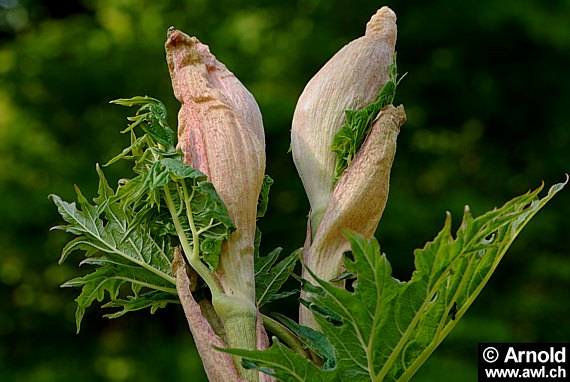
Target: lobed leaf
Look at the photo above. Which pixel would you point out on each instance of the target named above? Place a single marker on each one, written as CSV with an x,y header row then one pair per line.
x,y
130,241
124,253
154,300
151,117
269,278
385,329
127,234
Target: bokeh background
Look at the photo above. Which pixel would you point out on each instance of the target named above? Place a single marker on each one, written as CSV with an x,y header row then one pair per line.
x,y
488,103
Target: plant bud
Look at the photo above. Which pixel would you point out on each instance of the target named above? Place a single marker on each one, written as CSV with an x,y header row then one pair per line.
x,y
360,195
350,80
220,131
358,200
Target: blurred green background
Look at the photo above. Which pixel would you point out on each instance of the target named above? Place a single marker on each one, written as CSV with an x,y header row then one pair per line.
x,y
488,103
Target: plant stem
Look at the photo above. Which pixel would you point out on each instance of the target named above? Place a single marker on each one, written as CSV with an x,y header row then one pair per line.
x,y
238,315
195,235
240,320
281,331
188,250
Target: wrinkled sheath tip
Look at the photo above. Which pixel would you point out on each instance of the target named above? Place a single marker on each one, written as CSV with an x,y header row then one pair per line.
x,y
383,21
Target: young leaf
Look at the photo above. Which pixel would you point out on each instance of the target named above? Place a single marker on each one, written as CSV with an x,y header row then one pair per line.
x,y
132,254
109,279
283,363
264,196
154,300
269,278
348,140
312,339
206,220
126,234
151,116
389,327
130,242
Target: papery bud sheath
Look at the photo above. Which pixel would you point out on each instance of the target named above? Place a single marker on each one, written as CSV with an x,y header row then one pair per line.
x,y
220,131
350,80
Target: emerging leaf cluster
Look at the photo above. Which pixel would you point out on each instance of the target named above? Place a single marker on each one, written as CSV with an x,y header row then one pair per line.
x,y
269,278
129,233
348,140
385,329
270,275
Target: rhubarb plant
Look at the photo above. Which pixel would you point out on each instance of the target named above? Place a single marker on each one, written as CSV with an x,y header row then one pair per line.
x,y
181,228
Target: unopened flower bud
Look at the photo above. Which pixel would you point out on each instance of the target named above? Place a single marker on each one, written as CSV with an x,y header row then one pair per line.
x,y
350,80
359,197
357,203
220,131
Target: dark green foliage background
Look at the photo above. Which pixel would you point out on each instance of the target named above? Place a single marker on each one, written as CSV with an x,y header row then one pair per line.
x,y
487,98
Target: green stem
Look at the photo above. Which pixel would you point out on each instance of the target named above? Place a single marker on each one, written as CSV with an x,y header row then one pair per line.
x,y
191,252
147,285
281,331
195,235
239,316
240,322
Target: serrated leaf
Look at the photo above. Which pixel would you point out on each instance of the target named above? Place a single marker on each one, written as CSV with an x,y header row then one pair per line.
x,y
151,116
128,235
193,196
269,278
350,137
93,287
154,300
390,327
131,253
108,278
313,339
283,363
281,295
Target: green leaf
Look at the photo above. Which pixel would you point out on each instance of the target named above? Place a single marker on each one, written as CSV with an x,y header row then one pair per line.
x,y
207,214
269,278
208,206
388,327
130,244
129,236
350,137
194,197
154,300
312,339
151,117
109,279
178,170
133,151
281,295
264,196
132,254
283,363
